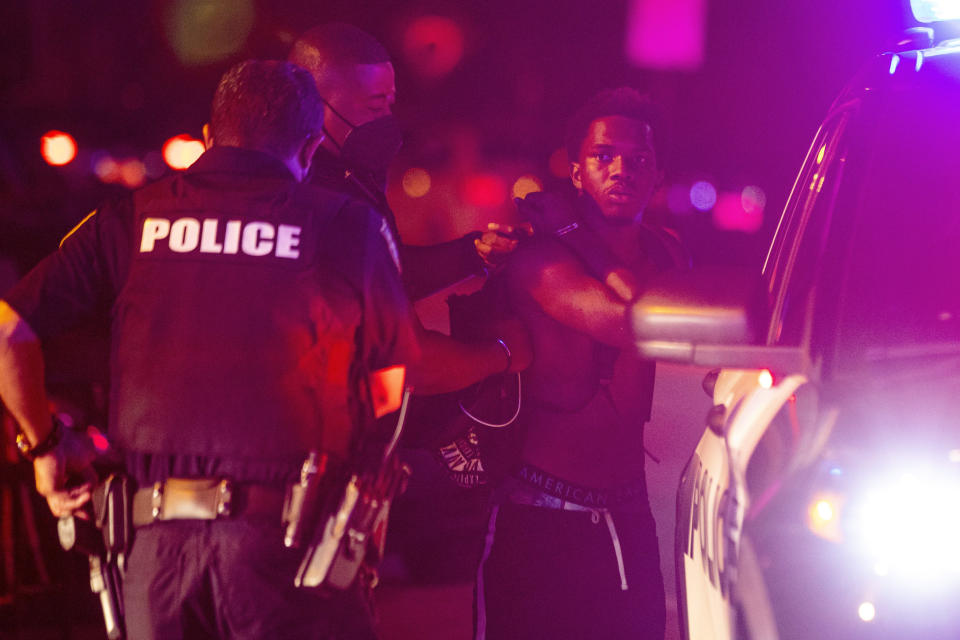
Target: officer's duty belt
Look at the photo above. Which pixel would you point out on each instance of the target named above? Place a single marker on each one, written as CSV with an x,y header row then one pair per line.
x,y
205,499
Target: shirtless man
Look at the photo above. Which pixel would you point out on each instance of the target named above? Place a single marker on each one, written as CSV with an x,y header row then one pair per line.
x,y
571,550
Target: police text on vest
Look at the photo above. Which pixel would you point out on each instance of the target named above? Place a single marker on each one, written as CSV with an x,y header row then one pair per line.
x,y
186,235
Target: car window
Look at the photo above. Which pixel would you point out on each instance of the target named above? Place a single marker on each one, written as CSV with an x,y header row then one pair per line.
x,y
803,229
900,295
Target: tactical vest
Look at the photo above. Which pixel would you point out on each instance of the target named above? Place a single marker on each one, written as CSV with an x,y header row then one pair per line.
x,y
237,322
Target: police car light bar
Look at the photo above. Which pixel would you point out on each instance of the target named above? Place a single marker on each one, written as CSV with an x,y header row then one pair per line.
x,y
935,10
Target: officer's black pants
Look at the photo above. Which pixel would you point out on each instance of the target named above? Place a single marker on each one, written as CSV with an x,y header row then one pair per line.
x,y
233,579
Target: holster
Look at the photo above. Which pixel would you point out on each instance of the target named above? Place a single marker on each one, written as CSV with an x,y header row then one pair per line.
x,y
352,535
106,540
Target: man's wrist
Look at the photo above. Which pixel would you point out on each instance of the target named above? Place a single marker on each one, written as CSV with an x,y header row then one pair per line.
x,y
44,446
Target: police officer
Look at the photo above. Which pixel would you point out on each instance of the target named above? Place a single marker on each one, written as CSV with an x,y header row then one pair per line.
x,y
246,310
356,81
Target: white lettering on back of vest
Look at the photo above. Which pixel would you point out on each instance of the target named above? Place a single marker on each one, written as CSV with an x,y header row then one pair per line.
x,y
208,237
153,229
288,239
184,235
231,237
255,238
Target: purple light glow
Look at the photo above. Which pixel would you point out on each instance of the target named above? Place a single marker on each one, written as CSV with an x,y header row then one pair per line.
x,y
667,35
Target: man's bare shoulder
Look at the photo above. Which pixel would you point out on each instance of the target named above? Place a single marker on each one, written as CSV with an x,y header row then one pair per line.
x,y
540,260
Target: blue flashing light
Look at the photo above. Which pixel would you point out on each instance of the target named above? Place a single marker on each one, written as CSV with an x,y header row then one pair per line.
x,y
836,471
935,10
894,63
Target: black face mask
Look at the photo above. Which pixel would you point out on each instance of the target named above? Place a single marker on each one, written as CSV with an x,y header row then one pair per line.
x,y
371,146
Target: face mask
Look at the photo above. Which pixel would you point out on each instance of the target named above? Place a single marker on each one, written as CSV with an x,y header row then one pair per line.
x,y
371,146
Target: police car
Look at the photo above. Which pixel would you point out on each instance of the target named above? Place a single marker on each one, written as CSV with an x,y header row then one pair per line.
x,y
823,499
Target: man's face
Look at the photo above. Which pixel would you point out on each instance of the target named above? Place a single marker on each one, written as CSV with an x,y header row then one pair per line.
x,y
617,166
366,92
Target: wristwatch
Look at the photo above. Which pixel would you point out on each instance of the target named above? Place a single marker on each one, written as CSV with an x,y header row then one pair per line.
x,y
43,447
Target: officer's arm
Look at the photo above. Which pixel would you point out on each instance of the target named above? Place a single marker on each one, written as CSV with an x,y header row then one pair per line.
x,y
428,269
21,375
561,287
22,392
449,365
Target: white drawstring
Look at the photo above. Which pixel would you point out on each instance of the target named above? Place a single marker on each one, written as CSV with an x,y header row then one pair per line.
x,y
617,550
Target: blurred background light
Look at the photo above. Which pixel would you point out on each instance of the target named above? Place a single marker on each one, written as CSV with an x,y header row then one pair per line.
x,y
433,46
935,10
416,182
867,611
179,152
703,195
667,35
203,32
823,516
485,190
58,148
729,214
99,440
765,379
106,168
753,199
133,173
524,185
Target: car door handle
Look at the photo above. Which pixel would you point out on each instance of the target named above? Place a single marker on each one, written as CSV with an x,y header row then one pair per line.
x,y
710,382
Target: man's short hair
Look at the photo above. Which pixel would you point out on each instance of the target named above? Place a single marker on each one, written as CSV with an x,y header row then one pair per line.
x,y
622,101
336,45
268,105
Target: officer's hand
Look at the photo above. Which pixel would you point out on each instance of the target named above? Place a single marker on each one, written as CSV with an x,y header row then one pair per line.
x,y
517,338
498,241
71,458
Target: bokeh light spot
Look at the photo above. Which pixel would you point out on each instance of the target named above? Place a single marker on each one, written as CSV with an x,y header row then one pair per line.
x,y
58,148
179,152
433,45
99,440
729,214
867,611
207,31
133,173
765,379
703,195
416,182
667,35
107,169
824,510
485,190
753,199
525,185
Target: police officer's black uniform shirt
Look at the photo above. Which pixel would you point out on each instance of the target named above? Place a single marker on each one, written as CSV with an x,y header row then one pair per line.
x,y
426,269
238,299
